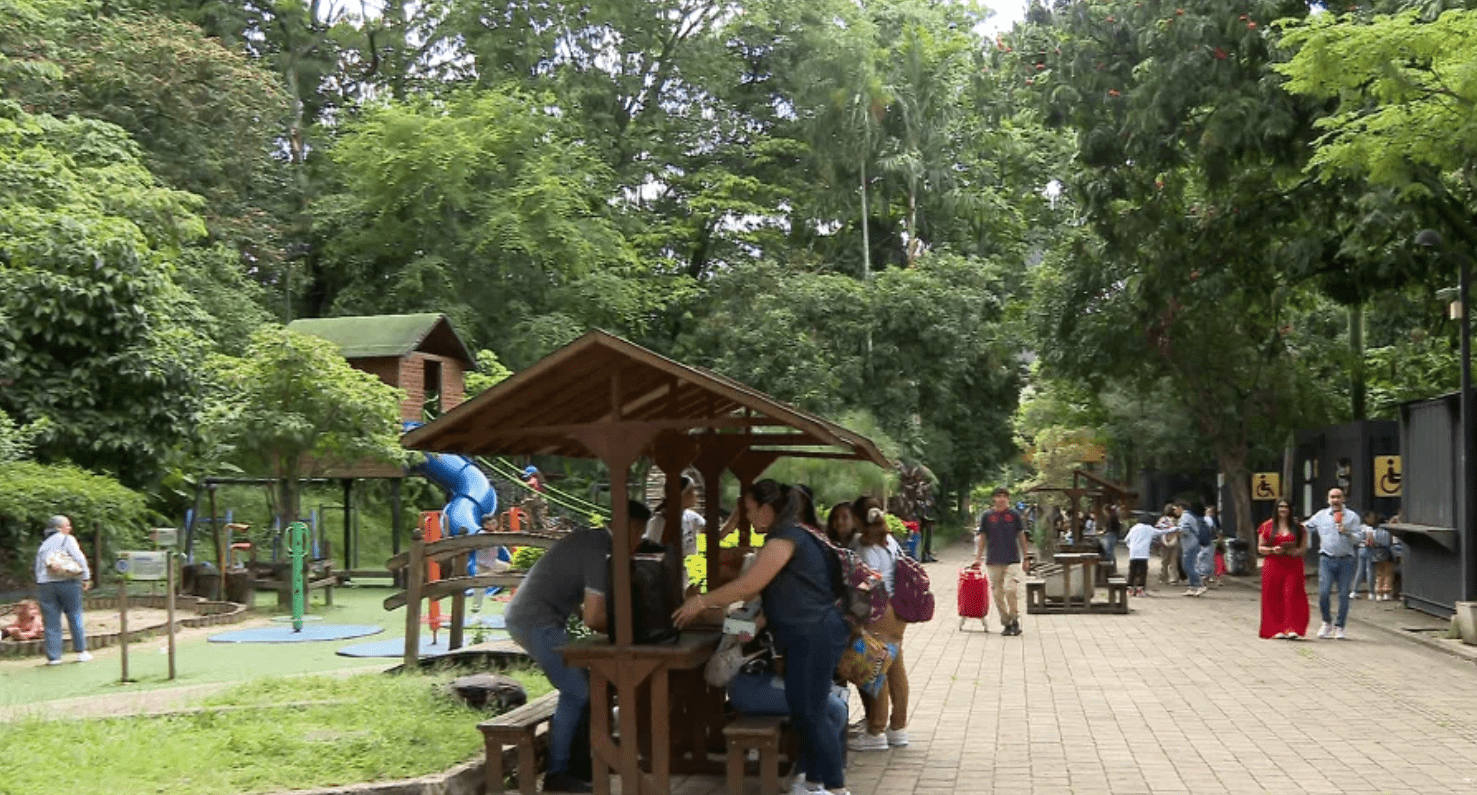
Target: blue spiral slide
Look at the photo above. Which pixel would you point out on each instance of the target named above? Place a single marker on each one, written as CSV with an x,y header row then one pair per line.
x,y
471,493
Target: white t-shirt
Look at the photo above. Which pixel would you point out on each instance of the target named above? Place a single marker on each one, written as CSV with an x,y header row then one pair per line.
x,y
692,524
1140,539
881,558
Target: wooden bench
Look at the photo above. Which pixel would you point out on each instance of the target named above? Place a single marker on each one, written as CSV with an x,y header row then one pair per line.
x,y
762,733
517,728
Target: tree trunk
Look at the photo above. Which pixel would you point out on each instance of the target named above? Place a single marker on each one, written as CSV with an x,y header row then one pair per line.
x,y
1238,477
1356,371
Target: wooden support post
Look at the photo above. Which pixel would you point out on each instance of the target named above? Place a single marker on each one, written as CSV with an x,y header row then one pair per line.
x,y
123,627
457,566
415,577
220,549
169,604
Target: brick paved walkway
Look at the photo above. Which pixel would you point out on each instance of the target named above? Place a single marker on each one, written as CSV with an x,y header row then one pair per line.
x,y
1179,696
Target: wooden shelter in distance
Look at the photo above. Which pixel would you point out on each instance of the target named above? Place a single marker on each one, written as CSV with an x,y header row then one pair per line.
x,y
603,397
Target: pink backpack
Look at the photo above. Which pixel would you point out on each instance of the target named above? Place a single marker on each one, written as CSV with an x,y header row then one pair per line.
x,y
912,600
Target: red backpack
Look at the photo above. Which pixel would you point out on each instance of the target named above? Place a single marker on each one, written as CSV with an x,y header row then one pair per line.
x,y
912,599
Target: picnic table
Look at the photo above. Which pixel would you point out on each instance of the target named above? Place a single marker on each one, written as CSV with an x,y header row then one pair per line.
x,y
679,729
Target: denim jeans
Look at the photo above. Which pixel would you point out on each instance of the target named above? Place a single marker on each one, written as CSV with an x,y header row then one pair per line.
x,y
1335,573
57,598
764,694
573,685
811,654
1189,558
1363,572
1205,562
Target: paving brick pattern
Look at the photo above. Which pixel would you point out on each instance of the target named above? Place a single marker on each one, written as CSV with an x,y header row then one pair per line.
x,y
1179,696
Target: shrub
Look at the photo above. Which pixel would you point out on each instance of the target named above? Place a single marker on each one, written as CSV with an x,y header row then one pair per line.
x,y
35,492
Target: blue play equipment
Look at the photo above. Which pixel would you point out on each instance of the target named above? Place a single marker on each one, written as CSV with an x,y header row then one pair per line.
x,y
472,495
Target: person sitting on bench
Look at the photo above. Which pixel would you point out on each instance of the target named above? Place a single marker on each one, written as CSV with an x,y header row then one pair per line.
x,y
572,576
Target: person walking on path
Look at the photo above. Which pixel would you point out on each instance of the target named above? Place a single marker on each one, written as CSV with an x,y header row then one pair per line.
x,y
1281,541
1169,547
1190,531
1363,563
1140,540
59,588
1336,527
887,712
1001,544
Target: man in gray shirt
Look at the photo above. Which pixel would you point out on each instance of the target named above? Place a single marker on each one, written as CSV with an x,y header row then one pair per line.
x,y
1337,527
574,575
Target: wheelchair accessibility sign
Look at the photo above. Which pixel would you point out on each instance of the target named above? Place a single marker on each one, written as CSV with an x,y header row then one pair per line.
x,y
1387,476
1266,486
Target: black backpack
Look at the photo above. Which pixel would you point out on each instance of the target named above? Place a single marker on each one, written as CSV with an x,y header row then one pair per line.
x,y
656,593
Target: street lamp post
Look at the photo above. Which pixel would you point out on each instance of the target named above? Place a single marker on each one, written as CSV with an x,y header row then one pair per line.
x,y
1467,544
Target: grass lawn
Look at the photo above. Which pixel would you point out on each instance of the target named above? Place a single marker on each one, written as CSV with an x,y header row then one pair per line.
x,y
256,737
28,681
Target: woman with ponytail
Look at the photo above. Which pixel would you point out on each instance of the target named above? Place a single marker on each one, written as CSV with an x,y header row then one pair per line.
x,y
877,548
792,573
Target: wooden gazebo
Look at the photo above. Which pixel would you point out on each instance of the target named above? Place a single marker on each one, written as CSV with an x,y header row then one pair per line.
x,y
603,397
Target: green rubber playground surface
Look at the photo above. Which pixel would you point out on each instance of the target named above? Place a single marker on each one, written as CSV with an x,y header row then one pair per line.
x,y
198,662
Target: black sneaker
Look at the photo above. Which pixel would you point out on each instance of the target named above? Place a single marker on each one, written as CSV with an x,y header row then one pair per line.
x,y
563,782
1015,627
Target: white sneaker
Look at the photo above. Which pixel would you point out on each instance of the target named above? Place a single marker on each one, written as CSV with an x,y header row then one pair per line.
x,y
83,656
53,662
1202,591
896,738
1325,631
800,788
1338,634
868,742
1189,592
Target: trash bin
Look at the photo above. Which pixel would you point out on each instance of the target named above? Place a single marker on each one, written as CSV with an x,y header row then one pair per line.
x,y
1238,557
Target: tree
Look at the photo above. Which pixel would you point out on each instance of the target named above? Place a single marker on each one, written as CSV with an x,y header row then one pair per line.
x,y
293,407
1200,245
489,208
1394,78
99,344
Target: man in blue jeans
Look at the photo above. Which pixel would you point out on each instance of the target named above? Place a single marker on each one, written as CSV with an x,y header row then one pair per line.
x,y
1190,532
1337,527
572,576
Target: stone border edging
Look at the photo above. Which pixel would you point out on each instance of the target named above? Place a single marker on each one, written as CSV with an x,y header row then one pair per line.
x,y
207,614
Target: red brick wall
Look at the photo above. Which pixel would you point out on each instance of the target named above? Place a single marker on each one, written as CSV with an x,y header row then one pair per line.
x,y
408,373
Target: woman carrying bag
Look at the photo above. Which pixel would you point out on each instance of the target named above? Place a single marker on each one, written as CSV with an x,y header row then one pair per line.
x,y
793,575
62,575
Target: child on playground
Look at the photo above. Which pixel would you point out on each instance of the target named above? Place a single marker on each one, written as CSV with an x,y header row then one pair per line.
x,y
27,624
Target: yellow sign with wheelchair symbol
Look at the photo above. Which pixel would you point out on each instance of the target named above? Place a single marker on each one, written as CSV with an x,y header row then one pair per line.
x,y
1266,486
1387,476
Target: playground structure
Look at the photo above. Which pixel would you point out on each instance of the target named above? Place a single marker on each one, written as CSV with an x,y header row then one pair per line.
x,y
431,552
423,356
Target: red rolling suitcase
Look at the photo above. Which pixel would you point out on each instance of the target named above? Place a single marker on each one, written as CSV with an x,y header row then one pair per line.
x,y
974,596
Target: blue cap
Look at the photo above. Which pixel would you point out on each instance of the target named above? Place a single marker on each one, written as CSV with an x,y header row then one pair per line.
x,y
529,471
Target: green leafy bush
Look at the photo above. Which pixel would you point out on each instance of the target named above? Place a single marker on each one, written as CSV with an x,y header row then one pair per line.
x,y
525,557
35,492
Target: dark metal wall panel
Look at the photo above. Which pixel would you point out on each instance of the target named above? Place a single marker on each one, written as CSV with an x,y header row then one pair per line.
x,y
1429,479
1431,576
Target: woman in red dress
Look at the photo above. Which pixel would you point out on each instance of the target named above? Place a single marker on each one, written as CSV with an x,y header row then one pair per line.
x,y
1282,540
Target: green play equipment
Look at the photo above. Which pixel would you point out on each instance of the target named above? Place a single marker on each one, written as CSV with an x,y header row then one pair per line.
x,y
298,550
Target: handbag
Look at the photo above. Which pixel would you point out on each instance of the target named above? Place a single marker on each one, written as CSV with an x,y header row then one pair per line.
x,y
61,564
865,661
727,661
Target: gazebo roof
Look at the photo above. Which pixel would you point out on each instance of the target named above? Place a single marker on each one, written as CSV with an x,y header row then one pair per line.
x,y
372,336
600,379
